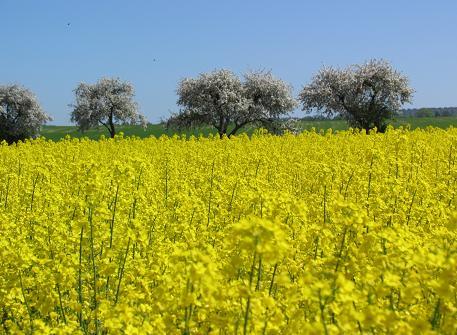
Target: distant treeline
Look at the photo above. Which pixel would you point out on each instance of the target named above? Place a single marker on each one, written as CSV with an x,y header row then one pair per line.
x,y
429,112
409,112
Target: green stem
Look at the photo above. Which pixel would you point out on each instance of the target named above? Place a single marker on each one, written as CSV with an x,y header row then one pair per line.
x,y
325,204
246,316
166,183
121,272
259,274
322,307
340,252
7,192
435,320
273,279
111,232
94,270
233,195
210,194
61,305
410,208
80,294
29,311
248,302
35,181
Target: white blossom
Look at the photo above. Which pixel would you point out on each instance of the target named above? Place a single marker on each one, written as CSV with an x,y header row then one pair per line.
x,y
109,102
20,114
366,95
220,99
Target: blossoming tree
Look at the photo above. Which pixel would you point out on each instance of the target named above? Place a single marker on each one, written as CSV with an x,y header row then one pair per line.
x,y
227,103
108,102
365,95
20,114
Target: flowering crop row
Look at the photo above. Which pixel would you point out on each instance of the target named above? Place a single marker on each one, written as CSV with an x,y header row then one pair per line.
x,y
315,233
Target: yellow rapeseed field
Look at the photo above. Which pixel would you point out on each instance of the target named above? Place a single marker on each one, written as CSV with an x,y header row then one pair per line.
x,y
309,234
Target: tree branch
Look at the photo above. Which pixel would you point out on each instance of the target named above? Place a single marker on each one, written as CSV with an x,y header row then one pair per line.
x,y
237,127
103,123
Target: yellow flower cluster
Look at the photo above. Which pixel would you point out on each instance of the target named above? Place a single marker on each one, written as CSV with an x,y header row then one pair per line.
x,y
317,233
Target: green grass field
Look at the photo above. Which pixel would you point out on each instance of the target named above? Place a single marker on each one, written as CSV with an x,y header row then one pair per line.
x,y
58,132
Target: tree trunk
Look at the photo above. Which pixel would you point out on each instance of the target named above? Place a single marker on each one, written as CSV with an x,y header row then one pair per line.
x,y
222,127
381,126
112,130
237,127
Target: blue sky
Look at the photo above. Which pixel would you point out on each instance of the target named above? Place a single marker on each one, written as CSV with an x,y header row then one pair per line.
x,y
293,39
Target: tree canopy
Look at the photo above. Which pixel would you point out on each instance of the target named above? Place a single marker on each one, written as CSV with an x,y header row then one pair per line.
x,y
21,115
227,103
109,102
365,95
